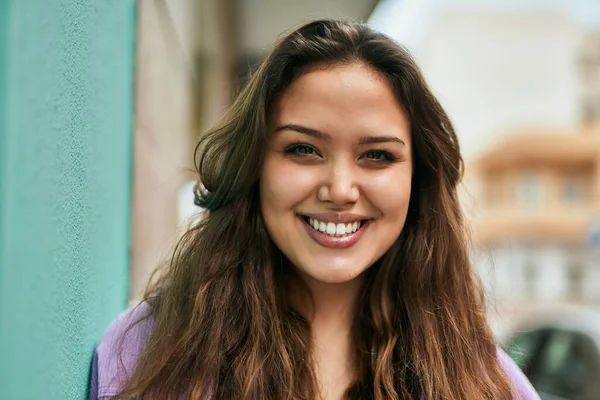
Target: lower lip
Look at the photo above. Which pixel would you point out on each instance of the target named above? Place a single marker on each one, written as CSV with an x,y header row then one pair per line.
x,y
337,242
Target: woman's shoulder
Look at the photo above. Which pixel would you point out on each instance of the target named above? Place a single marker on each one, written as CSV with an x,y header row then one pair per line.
x,y
118,350
523,388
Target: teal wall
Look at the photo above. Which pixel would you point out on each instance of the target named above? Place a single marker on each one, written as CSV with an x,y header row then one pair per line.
x,y
66,116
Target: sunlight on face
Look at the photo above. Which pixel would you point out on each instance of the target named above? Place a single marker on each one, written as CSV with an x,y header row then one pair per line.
x,y
336,182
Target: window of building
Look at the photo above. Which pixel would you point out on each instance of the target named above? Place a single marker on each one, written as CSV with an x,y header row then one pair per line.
x,y
529,191
589,73
530,275
574,191
575,281
590,109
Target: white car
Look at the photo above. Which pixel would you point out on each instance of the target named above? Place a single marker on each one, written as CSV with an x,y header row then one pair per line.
x,y
558,349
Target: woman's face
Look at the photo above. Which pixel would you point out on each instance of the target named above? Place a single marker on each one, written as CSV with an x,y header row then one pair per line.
x,y
336,182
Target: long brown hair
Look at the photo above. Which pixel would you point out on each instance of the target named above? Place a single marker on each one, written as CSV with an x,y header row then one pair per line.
x,y
222,322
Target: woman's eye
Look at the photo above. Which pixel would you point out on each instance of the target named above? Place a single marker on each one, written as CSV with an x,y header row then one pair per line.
x,y
379,155
301,149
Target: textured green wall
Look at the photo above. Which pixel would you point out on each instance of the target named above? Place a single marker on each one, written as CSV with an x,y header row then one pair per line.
x,y
66,112
4,12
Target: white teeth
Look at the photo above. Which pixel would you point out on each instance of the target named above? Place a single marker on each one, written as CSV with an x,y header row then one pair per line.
x,y
322,226
332,229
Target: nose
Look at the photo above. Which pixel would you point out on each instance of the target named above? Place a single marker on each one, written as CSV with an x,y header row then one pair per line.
x,y
340,186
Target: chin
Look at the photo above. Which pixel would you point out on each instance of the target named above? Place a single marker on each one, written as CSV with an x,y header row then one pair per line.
x,y
336,275
335,280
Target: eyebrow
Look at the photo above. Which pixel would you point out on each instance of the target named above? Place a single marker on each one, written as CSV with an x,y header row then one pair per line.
x,y
321,135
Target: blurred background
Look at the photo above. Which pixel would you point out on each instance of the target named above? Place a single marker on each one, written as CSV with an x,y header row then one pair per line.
x,y
141,80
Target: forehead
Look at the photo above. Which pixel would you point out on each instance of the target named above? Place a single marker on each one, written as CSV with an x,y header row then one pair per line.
x,y
348,97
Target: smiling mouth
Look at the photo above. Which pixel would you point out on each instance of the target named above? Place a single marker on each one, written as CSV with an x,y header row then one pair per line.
x,y
334,229
334,235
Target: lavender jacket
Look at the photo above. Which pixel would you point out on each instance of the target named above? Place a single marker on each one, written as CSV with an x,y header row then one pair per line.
x,y
108,375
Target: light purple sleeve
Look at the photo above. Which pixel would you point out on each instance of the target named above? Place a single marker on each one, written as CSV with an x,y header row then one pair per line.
x,y
523,389
113,364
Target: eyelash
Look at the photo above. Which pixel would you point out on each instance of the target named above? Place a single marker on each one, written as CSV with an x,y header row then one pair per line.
x,y
295,149
305,150
386,156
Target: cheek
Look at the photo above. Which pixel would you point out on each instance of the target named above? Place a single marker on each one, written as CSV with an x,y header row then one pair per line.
x,y
285,184
390,193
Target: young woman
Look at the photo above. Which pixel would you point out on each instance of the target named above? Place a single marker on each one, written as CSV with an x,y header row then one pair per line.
x,y
332,262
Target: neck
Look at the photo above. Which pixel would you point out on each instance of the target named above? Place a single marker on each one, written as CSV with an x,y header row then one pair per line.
x,y
331,316
333,305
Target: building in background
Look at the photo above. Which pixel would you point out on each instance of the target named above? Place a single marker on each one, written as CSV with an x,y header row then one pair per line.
x,y
537,206
538,196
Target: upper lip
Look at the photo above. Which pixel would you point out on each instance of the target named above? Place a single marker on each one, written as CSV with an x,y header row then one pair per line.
x,y
335,217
